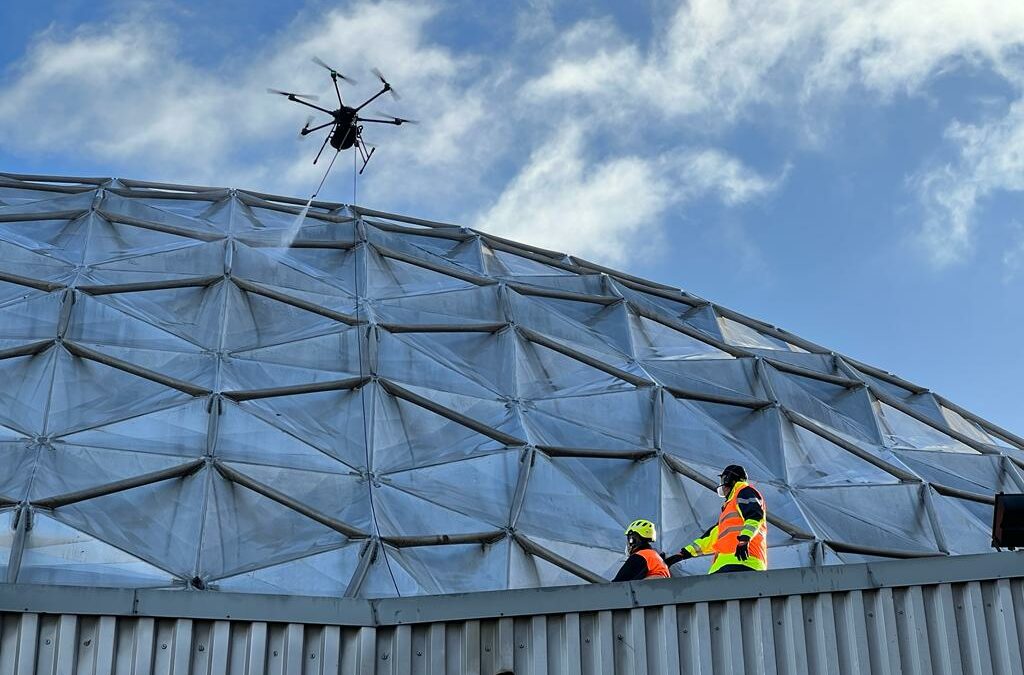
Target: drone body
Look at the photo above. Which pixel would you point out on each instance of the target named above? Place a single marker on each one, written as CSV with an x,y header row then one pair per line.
x,y
345,123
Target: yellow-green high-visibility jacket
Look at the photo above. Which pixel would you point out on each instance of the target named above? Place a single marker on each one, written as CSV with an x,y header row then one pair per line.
x,y
743,513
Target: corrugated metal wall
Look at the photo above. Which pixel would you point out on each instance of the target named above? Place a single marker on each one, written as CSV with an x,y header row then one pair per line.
x,y
963,627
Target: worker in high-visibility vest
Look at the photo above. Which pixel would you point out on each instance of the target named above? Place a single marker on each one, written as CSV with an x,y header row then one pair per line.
x,y
643,561
739,540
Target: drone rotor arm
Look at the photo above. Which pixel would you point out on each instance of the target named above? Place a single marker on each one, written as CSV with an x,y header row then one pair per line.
x,y
309,130
367,119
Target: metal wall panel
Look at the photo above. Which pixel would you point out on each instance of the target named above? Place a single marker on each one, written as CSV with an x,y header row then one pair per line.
x,y
837,625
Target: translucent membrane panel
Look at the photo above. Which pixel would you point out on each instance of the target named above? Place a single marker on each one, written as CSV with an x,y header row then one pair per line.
x,y
332,266
332,356
657,342
611,322
194,313
481,488
15,200
329,421
388,579
509,264
267,267
113,241
62,239
600,510
243,531
983,474
193,208
63,469
86,394
28,315
405,435
733,378
961,424
714,435
341,497
796,554
475,364
58,554
534,314
844,411
27,260
112,205
528,571
904,431
255,434
687,510
452,362
24,396
460,307
602,561
741,335
879,516
18,457
390,277
191,259
966,526
814,461
542,372
614,421
159,522
403,514
254,321
178,430
459,568
322,574
112,332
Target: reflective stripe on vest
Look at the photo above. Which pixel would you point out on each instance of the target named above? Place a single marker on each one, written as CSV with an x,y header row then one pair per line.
x,y
730,525
656,567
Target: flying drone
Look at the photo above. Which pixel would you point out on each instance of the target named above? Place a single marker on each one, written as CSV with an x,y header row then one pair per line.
x,y
346,122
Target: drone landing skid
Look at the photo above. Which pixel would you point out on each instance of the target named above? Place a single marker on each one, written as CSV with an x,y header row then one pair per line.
x,y
365,157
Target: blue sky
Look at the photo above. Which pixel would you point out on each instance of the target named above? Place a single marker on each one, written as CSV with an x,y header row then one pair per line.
x,y
849,171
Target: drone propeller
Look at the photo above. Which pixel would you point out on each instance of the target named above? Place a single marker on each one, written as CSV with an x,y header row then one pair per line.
x,y
387,85
305,126
320,63
397,120
311,97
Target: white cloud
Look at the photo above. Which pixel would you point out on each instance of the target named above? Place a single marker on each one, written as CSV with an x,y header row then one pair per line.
x,y
718,61
610,209
991,159
717,58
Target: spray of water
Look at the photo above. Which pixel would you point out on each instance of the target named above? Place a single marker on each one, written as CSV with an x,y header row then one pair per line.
x,y
289,235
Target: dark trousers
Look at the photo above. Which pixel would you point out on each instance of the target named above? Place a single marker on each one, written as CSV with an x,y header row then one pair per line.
x,y
733,568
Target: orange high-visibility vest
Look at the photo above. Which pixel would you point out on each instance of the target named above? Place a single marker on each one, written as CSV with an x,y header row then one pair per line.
x,y
656,567
731,525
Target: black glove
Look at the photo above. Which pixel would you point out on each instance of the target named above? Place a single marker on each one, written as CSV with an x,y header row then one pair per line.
x,y
686,555
741,548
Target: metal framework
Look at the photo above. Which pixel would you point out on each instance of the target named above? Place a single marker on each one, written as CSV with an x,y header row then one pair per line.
x,y
206,390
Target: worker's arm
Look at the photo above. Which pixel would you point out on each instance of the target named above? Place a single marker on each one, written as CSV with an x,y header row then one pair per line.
x,y
752,509
700,546
634,569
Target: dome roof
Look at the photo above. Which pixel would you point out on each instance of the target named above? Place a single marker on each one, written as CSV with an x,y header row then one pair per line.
x,y
214,388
